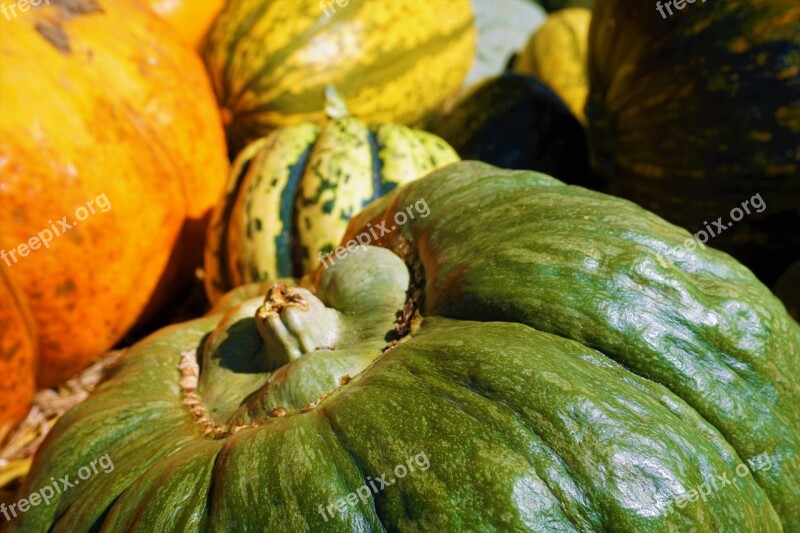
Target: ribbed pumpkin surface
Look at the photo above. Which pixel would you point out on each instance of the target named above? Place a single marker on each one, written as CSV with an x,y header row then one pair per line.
x,y
292,193
392,60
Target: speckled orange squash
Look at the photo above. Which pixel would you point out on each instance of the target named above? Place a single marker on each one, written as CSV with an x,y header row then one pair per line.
x,y
17,354
100,100
190,18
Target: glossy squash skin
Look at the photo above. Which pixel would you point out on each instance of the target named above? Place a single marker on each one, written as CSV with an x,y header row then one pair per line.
x,y
559,365
392,61
18,354
692,114
190,18
113,105
517,122
558,54
292,193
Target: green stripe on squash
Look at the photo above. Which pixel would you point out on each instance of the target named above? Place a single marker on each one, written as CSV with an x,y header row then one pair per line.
x,y
292,194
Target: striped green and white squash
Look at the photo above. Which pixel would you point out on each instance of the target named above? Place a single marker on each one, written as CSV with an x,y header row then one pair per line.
x,y
292,193
394,61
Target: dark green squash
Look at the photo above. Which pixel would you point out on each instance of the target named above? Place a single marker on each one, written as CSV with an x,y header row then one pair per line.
x,y
558,363
694,113
517,122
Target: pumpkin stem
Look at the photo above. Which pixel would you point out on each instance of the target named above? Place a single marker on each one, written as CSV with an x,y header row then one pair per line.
x,y
335,105
294,322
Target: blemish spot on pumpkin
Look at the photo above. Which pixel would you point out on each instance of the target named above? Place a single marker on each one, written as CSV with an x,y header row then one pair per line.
x,y
762,136
789,168
788,118
227,116
700,26
739,46
65,288
53,33
73,8
649,170
789,73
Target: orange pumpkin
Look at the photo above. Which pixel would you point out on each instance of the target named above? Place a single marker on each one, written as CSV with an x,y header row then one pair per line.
x,y
101,105
190,18
17,354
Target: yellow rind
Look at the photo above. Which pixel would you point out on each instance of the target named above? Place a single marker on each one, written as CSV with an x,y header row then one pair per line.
x,y
557,54
407,154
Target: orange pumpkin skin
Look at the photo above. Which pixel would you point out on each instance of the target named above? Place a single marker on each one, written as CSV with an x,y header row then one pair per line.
x,y
102,100
17,354
191,18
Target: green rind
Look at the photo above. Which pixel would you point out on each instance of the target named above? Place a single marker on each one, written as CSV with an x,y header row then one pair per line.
x,y
608,274
511,425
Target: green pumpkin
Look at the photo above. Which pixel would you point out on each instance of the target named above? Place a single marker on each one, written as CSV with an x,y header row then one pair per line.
x,y
292,193
693,113
551,353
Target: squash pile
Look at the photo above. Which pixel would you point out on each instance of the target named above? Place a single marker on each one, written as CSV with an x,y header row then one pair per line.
x,y
420,298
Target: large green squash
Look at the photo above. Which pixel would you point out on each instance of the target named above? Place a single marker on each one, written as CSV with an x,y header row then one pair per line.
x,y
550,353
393,61
693,113
292,193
